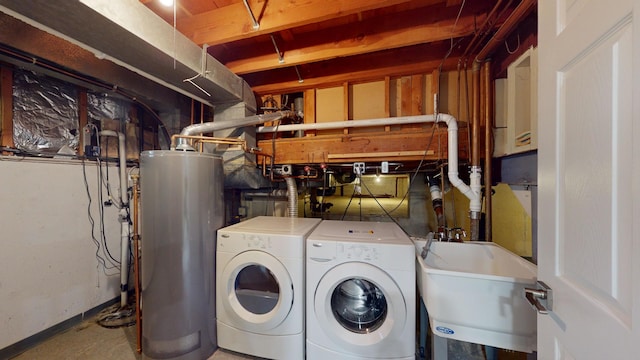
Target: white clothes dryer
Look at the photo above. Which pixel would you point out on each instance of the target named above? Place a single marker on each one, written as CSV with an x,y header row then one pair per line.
x,y
260,286
360,292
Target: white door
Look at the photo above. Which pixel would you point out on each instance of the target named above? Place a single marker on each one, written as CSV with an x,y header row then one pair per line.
x,y
589,178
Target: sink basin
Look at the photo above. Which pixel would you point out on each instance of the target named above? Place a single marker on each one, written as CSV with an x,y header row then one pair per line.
x,y
474,292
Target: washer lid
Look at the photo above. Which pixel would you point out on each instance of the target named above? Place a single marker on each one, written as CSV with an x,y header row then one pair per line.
x,y
274,225
360,231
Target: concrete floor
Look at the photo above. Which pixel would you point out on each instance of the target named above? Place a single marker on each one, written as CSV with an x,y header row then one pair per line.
x,y
90,341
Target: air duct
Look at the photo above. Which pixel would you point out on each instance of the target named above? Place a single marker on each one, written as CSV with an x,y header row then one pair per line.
x,y
139,40
292,196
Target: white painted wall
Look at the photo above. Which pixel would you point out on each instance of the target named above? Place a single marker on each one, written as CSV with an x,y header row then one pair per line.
x,y
48,268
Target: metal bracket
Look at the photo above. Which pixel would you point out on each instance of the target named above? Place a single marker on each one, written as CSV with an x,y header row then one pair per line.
x,y
256,24
541,298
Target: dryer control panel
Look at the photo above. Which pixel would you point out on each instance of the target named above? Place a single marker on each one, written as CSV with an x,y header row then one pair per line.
x,y
357,252
255,241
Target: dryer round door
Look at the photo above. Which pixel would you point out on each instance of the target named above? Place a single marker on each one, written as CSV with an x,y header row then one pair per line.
x,y
258,291
359,306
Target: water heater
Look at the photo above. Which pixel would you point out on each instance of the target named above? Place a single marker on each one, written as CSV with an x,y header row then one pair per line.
x,y
181,208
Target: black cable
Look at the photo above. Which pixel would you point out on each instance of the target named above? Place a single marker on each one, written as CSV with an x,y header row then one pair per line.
x,y
415,173
101,212
272,164
382,207
325,182
360,198
349,203
106,160
101,260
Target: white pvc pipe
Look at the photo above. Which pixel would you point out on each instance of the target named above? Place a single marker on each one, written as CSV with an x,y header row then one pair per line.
x,y
471,192
351,123
209,127
123,216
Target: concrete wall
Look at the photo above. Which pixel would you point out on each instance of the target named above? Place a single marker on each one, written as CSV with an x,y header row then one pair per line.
x,y
48,267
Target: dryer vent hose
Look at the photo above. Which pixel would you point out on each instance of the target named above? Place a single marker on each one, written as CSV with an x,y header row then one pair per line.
x,y
292,193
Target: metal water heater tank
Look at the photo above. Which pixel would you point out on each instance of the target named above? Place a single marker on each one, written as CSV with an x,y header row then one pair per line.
x,y
181,208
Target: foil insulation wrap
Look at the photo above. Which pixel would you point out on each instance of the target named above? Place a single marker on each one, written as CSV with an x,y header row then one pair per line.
x,y
103,106
45,113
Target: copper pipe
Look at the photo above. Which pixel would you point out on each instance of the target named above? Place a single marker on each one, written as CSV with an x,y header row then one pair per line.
x,y
136,263
488,148
210,139
481,31
488,32
518,14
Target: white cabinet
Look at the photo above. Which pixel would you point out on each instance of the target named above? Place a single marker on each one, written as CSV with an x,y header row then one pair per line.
x,y
516,107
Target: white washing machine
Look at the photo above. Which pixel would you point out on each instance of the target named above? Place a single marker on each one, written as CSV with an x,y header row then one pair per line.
x,y
360,292
260,286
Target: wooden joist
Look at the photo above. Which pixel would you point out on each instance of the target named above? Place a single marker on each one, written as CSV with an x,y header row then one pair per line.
x,y
378,146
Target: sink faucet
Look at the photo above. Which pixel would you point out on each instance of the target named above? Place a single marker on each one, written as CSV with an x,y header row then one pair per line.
x,y
450,235
456,234
427,245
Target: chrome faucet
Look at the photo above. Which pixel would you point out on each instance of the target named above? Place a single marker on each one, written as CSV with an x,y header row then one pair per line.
x,y
456,234
450,235
427,245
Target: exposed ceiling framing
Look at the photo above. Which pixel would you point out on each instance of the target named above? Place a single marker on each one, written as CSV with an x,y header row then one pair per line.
x,y
326,42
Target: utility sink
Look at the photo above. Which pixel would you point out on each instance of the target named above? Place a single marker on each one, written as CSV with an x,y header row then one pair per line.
x,y
474,292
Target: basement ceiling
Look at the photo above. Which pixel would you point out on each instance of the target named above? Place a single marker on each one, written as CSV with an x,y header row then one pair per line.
x,y
325,42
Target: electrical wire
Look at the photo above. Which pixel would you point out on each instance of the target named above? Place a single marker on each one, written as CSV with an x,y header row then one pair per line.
x,y
417,170
349,203
382,207
272,164
433,128
101,261
101,212
506,45
325,182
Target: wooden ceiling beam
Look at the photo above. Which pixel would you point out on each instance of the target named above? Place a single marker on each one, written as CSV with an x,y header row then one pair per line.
x,y
288,84
396,31
231,23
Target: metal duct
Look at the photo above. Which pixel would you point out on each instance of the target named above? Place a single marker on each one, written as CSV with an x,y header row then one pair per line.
x,y
136,39
292,196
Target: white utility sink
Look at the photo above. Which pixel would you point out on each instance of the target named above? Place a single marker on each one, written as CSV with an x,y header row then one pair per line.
x,y
474,292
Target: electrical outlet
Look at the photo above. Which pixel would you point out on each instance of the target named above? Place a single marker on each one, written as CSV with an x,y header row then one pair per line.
x,y
358,168
384,167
